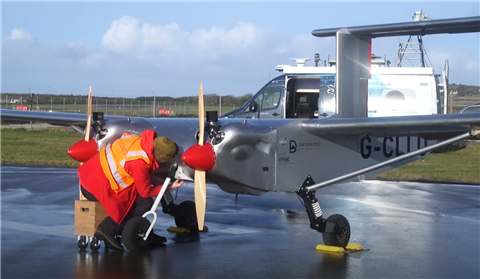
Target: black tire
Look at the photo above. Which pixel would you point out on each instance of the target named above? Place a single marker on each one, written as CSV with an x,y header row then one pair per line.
x,y
82,242
95,244
133,233
342,232
186,216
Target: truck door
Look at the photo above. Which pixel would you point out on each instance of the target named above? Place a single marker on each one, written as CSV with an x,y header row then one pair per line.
x,y
266,104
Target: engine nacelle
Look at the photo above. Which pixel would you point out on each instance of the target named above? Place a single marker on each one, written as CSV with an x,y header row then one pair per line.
x,y
247,154
114,130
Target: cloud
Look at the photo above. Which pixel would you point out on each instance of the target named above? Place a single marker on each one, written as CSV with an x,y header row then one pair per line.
x,y
137,57
216,47
19,34
145,41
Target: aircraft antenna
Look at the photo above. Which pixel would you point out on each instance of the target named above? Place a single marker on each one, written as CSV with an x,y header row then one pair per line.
x,y
411,50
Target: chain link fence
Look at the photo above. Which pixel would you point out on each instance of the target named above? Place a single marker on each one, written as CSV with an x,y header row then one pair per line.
x,y
145,106
140,107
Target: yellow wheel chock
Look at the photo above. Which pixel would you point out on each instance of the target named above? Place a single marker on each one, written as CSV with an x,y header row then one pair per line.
x,y
335,249
184,230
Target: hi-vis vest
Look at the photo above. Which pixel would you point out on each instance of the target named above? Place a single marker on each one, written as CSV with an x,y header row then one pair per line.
x,y
114,156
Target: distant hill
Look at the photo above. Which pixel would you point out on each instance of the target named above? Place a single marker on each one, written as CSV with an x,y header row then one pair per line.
x,y
465,90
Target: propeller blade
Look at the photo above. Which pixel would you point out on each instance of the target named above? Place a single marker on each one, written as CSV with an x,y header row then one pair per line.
x,y
89,115
84,150
200,197
200,177
201,115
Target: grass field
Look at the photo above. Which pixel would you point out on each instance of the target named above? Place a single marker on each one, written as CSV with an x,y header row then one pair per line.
x,y
48,147
38,147
458,166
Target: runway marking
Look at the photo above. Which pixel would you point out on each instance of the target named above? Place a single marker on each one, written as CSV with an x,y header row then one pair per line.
x,y
382,205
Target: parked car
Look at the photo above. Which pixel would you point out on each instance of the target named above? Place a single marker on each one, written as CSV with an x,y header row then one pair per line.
x,y
470,108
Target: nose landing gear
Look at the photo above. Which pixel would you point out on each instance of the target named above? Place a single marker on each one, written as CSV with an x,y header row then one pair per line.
x,y
335,229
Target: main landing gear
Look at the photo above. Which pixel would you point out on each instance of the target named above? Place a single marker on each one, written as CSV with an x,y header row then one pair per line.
x,y
335,229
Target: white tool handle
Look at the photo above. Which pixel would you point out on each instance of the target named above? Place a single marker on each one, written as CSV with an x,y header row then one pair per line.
x,y
154,207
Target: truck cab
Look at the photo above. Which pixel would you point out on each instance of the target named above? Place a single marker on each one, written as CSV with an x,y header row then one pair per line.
x,y
309,92
266,103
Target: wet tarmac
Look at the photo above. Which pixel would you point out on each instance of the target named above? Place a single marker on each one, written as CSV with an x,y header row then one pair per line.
x,y
412,230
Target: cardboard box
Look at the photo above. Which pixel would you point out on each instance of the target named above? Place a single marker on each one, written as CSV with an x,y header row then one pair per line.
x,y
88,215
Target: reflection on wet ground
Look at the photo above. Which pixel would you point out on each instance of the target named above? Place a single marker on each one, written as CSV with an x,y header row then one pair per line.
x,y
411,229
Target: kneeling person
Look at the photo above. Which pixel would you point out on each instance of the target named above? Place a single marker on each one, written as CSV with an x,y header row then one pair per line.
x,y
119,177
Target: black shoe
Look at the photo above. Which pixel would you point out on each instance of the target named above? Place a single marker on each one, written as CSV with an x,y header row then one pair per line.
x,y
109,240
155,239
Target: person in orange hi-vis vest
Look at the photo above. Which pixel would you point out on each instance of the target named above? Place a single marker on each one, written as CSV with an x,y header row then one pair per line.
x,y
119,177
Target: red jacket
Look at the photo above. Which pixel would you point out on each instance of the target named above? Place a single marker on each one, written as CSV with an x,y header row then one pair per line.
x,y
118,205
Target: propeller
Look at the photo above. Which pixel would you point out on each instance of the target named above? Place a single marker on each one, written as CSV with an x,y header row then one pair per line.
x,y
201,158
85,148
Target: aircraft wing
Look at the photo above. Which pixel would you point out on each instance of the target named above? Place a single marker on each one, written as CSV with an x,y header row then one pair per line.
x,y
428,27
54,118
429,126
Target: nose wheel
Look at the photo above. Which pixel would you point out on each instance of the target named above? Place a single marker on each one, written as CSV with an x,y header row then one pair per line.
x,y
341,232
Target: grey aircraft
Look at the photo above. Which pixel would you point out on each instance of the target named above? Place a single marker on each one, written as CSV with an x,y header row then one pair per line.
x,y
256,156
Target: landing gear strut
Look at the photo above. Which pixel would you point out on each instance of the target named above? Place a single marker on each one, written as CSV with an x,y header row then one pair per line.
x,y
335,229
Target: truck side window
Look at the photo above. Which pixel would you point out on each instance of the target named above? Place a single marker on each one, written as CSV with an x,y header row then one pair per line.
x,y
271,98
258,102
267,99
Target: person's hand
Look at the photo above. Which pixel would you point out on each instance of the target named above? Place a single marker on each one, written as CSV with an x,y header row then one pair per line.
x,y
176,184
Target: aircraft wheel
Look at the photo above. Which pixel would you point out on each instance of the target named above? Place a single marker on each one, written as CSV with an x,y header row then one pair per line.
x,y
133,233
95,244
186,216
82,242
342,232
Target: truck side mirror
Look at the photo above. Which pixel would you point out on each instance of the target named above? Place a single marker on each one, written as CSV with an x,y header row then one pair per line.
x,y
253,106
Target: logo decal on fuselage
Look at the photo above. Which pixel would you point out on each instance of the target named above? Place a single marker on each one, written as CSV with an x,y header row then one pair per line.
x,y
293,146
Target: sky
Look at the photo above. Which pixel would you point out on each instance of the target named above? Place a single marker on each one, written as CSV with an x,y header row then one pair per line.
x,y
132,49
